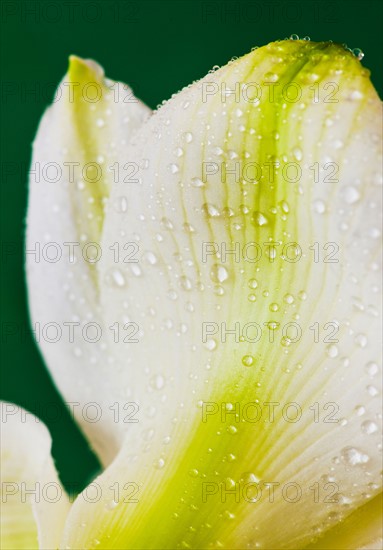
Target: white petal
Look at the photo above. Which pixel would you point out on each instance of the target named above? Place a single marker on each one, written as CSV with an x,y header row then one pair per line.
x,y
171,372
34,505
79,138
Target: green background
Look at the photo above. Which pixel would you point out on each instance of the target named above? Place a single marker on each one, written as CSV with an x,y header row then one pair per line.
x,y
157,47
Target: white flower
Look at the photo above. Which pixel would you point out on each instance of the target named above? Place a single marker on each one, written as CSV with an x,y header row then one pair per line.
x,y
250,201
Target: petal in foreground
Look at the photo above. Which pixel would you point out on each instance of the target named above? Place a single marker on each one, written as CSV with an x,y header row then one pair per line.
x,y
265,437
34,505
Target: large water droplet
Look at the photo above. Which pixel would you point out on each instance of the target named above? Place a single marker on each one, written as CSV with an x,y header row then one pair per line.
x,y
219,273
332,351
253,283
353,456
210,210
248,360
369,427
159,464
197,182
351,194
259,219
211,344
173,168
372,368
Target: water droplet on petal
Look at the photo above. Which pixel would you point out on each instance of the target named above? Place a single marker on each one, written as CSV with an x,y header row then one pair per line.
x,y
173,168
297,153
369,427
248,360
259,219
351,194
319,206
253,283
353,456
332,351
288,298
166,224
210,210
372,368
197,182
159,464
358,53
219,273
211,344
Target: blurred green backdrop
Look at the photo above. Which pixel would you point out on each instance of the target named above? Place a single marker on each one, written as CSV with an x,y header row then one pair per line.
x,y
157,47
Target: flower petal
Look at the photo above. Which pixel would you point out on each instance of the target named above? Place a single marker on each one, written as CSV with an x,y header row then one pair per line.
x,y
79,138
197,445
361,530
34,505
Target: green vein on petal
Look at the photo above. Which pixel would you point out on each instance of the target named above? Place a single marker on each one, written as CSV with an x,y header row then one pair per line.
x,y
88,123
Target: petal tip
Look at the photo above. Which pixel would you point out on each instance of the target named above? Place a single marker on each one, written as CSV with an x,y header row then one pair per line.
x,y
84,69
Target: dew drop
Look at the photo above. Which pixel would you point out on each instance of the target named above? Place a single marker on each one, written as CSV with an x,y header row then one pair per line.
x,y
173,168
358,53
332,351
188,228
188,137
356,95
219,290
361,340
259,219
151,258
371,390
136,270
271,77
353,456
372,368
210,210
166,224
369,427
285,207
360,410
319,206
159,464
211,344
120,205
111,505
248,360
297,153
249,477
219,273
197,182
117,278
157,382
288,298
253,283
351,195
185,283
232,430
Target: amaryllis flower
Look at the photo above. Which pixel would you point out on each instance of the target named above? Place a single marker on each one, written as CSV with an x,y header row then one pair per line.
x,y
211,272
